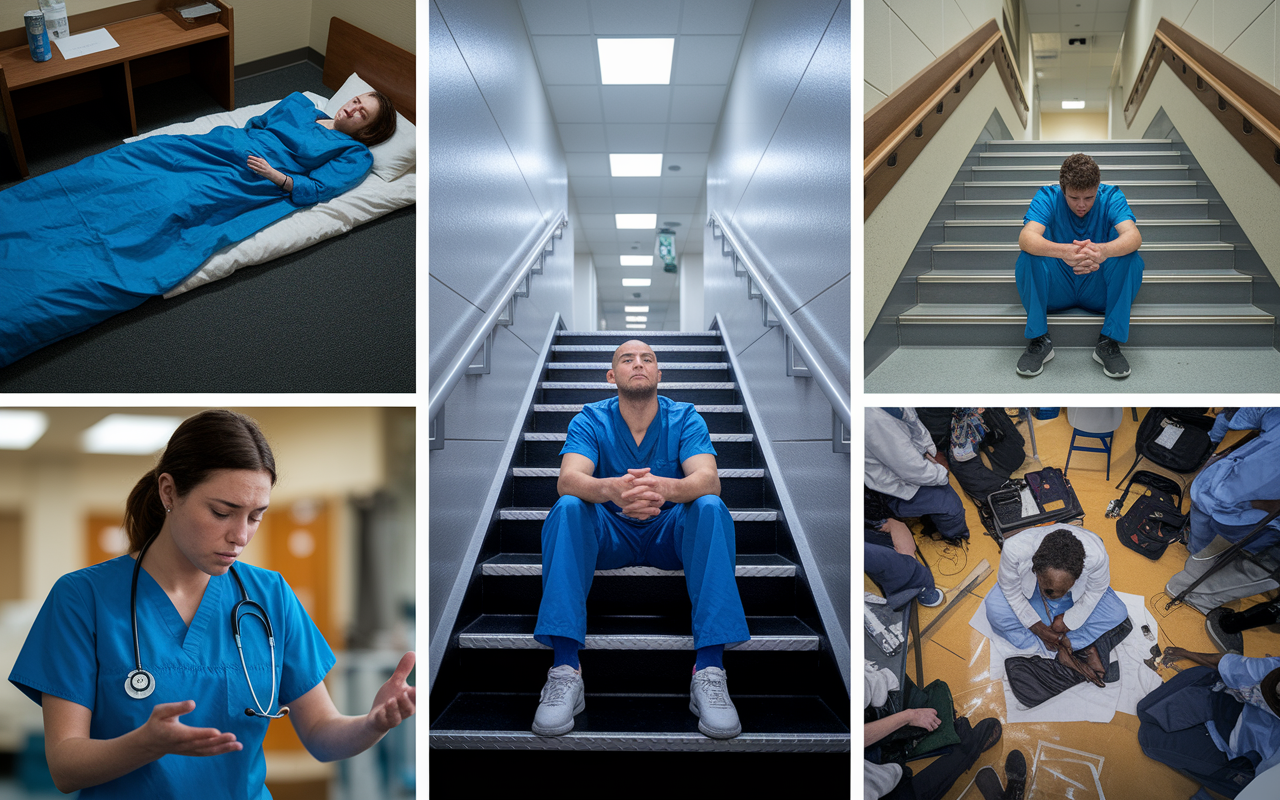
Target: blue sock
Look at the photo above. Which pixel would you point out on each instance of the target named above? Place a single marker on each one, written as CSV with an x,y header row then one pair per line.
x,y
566,652
710,656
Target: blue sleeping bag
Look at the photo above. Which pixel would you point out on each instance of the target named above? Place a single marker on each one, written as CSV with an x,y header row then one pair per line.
x,y
99,237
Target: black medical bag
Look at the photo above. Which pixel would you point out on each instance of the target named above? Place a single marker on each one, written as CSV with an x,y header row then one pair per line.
x,y
1155,520
1054,498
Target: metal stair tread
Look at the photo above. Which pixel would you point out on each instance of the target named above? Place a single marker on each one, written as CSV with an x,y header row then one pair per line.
x,y
515,632
1148,276
1011,222
1120,183
1162,201
1013,246
1062,154
707,365
737,514
657,348
535,436
554,472
1110,169
1142,314
574,408
659,334
530,565
613,387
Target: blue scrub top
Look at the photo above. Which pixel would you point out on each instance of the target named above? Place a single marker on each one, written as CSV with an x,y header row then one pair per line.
x,y
1258,729
601,434
81,649
1061,225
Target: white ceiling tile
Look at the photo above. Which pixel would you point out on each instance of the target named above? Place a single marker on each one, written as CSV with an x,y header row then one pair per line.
x,y
579,137
715,16
704,59
696,103
1043,23
635,205
1109,42
556,16
1113,6
1042,6
627,17
637,138
1077,24
635,187
1077,6
587,165
689,163
596,221
682,187
690,137
624,104
575,103
1109,22
567,59
591,187
668,206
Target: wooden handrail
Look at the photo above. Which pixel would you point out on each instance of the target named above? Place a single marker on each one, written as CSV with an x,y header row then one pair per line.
x,y
1247,106
898,128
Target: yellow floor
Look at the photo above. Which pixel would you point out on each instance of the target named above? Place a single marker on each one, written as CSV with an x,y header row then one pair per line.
x,y
958,654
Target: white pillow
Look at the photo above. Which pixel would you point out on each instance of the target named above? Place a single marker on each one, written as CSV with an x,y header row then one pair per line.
x,y
397,155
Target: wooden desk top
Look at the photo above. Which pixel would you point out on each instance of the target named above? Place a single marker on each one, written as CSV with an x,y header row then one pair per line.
x,y
143,36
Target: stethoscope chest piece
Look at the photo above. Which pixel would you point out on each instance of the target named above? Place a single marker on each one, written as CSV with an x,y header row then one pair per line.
x,y
140,684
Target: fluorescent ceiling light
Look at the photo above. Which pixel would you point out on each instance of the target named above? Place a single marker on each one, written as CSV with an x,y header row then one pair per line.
x,y
129,434
1073,104
635,60
640,318
636,281
635,165
636,309
636,261
636,327
21,429
639,221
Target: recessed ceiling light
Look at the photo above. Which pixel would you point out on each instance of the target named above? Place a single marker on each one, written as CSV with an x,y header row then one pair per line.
x,y
636,327
129,434
635,165
639,318
636,281
1073,104
21,429
641,221
635,60
636,309
636,261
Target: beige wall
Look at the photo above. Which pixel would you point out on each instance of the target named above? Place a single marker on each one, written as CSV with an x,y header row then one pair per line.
x,y
1073,125
270,27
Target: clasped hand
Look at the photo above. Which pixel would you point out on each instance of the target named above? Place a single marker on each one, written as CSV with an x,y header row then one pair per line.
x,y
1055,638
641,494
1088,257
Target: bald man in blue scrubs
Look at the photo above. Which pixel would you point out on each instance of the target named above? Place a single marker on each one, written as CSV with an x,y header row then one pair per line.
x,y
638,487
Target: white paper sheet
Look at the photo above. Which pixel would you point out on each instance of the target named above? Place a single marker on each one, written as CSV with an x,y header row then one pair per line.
x,y
1084,702
82,44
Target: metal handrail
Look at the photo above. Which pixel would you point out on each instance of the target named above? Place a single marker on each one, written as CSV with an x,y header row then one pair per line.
x,y
835,394
458,366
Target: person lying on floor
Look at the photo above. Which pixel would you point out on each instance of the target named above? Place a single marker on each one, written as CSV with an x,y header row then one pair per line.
x,y
902,462
889,557
1218,723
1053,591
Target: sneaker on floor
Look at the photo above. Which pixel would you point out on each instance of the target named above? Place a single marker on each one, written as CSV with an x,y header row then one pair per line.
x,y
1107,353
1015,772
1039,350
709,701
988,783
931,598
562,698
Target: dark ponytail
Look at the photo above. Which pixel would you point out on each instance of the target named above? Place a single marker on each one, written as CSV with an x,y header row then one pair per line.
x,y
202,444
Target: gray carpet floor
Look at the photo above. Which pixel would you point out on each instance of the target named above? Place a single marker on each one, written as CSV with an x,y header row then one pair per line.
x,y
336,317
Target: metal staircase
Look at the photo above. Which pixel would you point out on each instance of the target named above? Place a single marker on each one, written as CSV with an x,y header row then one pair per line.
x,y
1192,294
639,649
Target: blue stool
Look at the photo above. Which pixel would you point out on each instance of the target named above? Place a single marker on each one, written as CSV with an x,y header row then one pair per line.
x,y
1093,423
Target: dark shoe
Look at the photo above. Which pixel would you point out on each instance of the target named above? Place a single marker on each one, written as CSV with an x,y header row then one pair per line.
x,y
1225,642
1015,772
988,732
1039,350
988,782
1107,353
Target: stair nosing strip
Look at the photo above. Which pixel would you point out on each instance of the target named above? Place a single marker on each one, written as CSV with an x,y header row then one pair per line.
x,y
1200,201
1171,276
738,515
740,570
554,472
658,348
1111,183
705,365
957,247
536,436
1010,222
614,387
628,641
630,741
577,407
1082,319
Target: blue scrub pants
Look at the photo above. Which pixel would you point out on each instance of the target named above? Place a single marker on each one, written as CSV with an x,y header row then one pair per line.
x,y
579,537
939,503
1204,528
1048,284
902,578
1110,612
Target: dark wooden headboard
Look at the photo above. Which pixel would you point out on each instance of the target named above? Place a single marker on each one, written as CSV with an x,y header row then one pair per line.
x,y
389,69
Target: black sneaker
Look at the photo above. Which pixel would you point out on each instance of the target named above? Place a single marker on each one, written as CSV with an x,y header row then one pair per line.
x,y
1039,350
1107,353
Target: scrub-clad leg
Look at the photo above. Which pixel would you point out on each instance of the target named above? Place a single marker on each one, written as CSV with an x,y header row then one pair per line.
x,y
1110,612
940,504
1110,291
1044,284
897,574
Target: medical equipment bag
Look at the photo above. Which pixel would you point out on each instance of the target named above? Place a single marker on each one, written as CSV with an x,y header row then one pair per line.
x,y
1155,520
1176,439
1038,498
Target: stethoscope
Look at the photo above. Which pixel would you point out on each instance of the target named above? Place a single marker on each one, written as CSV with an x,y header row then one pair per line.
x,y
141,683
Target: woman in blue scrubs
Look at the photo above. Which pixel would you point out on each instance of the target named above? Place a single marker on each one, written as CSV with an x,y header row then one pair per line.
x,y
191,518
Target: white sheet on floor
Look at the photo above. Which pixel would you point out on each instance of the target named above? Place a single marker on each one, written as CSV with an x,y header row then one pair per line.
x,y
1084,702
303,228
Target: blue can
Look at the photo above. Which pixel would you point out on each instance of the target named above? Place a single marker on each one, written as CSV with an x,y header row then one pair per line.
x,y
37,36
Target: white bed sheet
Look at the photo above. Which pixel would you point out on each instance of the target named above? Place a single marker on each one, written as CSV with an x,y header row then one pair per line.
x,y
303,228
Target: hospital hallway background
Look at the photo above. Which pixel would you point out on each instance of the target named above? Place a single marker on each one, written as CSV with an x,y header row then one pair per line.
x,y
1076,759
339,529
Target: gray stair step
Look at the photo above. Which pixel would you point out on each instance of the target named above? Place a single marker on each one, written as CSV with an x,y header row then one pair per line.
x,y
560,437
1157,255
515,632
621,741
1176,208
636,334
574,408
1078,146
1153,230
1104,159
1009,189
530,565
554,472
707,365
737,514
1223,286
613,387
1048,173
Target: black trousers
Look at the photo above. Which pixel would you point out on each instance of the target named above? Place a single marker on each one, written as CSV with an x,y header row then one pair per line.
x,y
935,780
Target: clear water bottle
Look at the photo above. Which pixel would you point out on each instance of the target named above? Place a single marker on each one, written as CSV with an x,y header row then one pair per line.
x,y
55,18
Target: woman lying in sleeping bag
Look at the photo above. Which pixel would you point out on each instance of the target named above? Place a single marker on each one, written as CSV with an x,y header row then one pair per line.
x,y
99,237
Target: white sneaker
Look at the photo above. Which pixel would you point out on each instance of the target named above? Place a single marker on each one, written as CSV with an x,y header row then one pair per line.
x,y
709,700
562,698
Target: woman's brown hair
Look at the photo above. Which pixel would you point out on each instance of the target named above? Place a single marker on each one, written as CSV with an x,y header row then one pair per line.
x,y
209,441
383,126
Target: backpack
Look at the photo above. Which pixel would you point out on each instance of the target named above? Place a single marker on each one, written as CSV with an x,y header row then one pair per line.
x,y
1155,520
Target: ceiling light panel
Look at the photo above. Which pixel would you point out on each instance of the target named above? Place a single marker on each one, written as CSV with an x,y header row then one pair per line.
x,y
636,309
1073,104
129,434
636,327
636,281
636,261
635,61
638,318
21,429
636,221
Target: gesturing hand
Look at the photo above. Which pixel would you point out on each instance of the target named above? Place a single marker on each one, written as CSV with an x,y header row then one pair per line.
x,y
396,700
164,735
